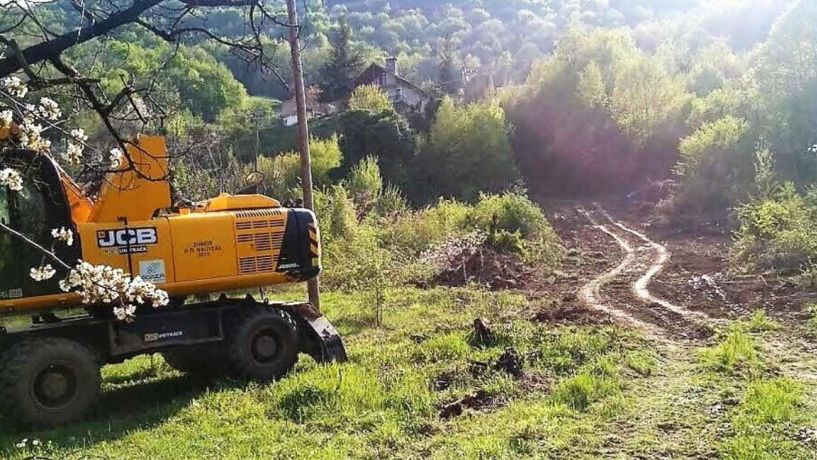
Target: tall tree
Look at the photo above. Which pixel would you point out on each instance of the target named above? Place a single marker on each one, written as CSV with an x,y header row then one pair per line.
x,y
450,78
337,78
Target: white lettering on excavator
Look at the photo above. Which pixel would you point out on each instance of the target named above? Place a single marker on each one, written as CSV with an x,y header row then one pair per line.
x,y
155,336
126,237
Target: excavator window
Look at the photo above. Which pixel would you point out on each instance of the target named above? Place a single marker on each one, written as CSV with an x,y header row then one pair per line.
x,y
28,213
4,207
10,280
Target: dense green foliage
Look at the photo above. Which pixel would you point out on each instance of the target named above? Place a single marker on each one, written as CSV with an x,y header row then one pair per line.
x,y
467,151
370,98
598,114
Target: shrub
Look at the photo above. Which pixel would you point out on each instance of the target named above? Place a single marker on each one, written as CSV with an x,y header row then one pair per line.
x,y
777,233
508,214
282,172
467,151
337,215
385,136
326,157
716,167
391,203
370,98
365,184
415,232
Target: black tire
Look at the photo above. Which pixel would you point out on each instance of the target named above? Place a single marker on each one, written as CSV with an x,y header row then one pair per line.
x,y
262,343
48,382
204,360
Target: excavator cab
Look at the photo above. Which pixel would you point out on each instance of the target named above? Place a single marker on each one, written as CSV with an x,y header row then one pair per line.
x,y
34,211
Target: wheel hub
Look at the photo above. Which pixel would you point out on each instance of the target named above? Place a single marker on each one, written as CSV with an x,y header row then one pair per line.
x,y
264,347
55,386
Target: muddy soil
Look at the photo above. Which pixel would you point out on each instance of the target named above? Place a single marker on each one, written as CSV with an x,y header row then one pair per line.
x,y
489,268
627,269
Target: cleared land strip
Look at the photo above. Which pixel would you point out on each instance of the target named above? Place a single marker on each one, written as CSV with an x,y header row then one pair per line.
x,y
590,293
662,257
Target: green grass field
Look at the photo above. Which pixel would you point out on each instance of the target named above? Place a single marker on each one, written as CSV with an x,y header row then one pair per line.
x,y
587,392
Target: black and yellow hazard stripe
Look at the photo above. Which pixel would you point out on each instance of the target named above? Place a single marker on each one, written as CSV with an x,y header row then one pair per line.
x,y
314,244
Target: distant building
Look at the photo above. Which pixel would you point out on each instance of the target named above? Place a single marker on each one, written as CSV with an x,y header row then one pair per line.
x,y
288,114
403,93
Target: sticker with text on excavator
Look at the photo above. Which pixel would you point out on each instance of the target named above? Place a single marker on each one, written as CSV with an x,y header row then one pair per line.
x,y
127,240
153,271
202,248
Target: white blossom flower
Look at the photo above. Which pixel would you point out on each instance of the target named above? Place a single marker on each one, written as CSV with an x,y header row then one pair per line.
x,y
101,284
22,444
6,118
73,154
79,135
15,86
35,443
63,234
44,273
115,158
124,313
49,109
11,178
31,136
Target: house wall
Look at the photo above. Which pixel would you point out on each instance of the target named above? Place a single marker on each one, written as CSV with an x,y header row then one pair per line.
x,y
413,98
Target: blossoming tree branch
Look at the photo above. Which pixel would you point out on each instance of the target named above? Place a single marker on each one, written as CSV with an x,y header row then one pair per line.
x,y
25,125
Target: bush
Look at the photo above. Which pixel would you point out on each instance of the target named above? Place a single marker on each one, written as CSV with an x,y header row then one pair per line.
x,y
365,184
282,173
391,203
511,212
505,215
326,157
716,167
777,233
467,152
415,232
337,215
385,136
370,98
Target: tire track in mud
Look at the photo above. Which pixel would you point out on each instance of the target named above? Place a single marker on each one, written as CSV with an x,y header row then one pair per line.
x,y
662,257
590,293
644,259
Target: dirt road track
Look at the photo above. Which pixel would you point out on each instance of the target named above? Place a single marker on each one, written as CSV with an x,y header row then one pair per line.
x,y
643,260
590,293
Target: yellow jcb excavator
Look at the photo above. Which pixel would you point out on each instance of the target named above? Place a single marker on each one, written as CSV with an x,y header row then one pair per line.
x,y
50,369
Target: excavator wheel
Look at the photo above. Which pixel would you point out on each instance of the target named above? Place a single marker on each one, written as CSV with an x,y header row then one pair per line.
x,y
47,382
204,360
262,343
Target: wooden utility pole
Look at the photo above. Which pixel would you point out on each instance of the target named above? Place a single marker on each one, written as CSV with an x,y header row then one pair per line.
x,y
303,128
